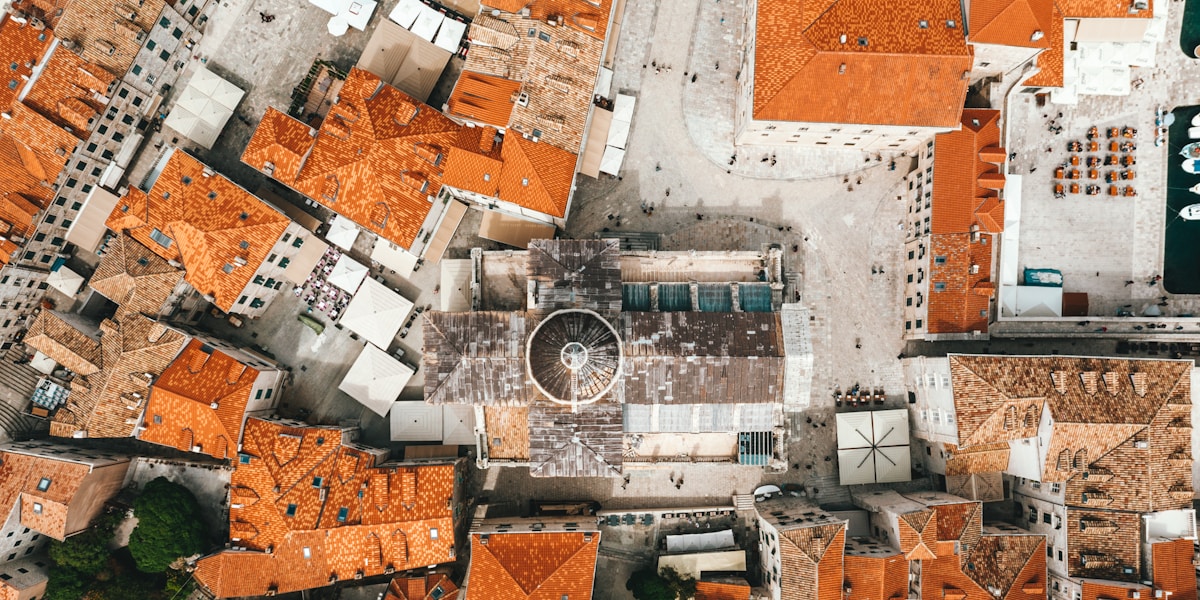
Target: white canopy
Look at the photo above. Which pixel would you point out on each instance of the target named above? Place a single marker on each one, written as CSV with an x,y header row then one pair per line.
x,y
450,35
204,106
376,379
699,542
65,280
376,313
347,274
393,257
406,12
873,447
417,421
428,22
611,161
347,13
342,232
337,26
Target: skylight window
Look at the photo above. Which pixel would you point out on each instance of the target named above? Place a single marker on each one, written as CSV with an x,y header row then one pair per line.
x,y
291,510
950,24
307,552
37,508
44,484
317,481
161,238
923,24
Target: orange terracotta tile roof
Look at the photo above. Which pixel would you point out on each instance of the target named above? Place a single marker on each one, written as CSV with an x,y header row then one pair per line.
x,y
918,534
68,89
33,151
114,46
20,475
876,577
219,232
381,156
433,586
711,590
1106,590
1003,567
812,567
1051,61
981,458
484,98
1011,22
134,277
68,346
309,508
1173,568
180,411
888,71
23,46
1101,9
960,205
532,565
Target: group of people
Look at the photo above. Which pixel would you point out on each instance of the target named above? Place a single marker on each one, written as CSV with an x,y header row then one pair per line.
x,y
318,293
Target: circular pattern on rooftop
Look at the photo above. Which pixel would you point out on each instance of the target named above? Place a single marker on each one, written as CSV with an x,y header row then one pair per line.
x,y
574,356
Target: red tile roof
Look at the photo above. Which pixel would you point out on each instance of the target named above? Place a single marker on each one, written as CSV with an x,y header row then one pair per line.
x,y
876,577
219,232
889,70
710,590
532,565
308,508
180,411
66,92
381,156
433,586
23,46
1011,22
961,204
20,475
1102,9
1051,61
1173,569
484,98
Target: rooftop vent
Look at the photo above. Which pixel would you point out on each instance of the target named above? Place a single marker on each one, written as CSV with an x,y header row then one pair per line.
x,y
1037,35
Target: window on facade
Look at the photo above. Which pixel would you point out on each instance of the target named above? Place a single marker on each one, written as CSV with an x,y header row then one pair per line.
x,y
164,22
39,237
1032,514
85,189
150,45
939,286
164,55
177,34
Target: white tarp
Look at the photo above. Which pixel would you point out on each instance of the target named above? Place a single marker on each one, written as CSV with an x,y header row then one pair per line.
x,y
302,264
693,565
376,379
456,285
450,35
611,161
700,542
347,274
428,22
1031,301
204,107
342,232
604,82
623,108
375,313
618,134
65,280
88,229
416,421
873,447
355,13
393,257
406,12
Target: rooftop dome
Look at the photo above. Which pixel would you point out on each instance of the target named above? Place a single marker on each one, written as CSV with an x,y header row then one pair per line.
x,y
574,356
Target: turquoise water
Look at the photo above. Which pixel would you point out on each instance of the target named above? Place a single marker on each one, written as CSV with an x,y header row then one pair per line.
x,y
1181,248
1189,37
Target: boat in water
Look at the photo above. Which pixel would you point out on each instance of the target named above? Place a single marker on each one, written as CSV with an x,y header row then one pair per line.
x,y
1190,212
1196,119
1194,133
1195,189
1192,165
1191,150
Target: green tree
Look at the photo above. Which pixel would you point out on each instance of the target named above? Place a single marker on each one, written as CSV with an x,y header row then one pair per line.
x,y
87,552
65,583
169,526
648,584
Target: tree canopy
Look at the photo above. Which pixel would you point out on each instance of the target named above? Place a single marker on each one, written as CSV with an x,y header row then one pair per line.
x,y
87,552
648,584
169,526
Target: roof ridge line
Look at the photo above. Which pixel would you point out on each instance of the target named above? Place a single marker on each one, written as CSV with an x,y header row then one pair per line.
x,y
564,562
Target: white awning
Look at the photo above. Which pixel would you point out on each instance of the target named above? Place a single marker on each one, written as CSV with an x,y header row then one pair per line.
x,y
204,107
445,231
303,263
88,229
342,232
376,313
856,466
512,230
393,257
416,421
65,280
892,464
873,447
347,274
450,35
427,23
456,285
406,12
376,379
618,133
854,430
611,161
699,542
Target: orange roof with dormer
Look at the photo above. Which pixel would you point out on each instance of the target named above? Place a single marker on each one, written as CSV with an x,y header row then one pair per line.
x,y
900,63
433,586
199,402
20,476
532,565
219,232
381,157
70,91
22,49
876,577
967,213
1022,23
309,509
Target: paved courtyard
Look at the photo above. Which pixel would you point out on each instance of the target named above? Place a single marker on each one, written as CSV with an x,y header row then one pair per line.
x,y
1101,242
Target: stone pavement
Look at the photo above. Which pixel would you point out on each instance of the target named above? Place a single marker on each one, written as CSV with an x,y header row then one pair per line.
x,y
1101,242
